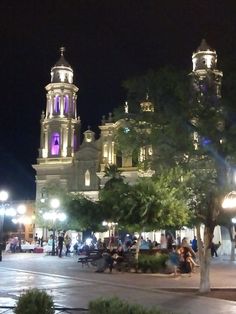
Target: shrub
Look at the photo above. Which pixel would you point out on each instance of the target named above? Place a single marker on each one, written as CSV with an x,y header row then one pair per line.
x,y
152,263
35,301
117,306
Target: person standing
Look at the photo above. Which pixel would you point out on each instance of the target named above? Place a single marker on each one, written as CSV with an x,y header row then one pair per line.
x,y
163,241
60,244
67,244
213,250
194,244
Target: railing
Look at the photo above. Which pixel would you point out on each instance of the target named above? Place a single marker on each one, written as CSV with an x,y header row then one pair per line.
x,y
68,310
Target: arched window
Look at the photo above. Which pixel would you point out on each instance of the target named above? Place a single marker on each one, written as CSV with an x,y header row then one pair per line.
x,y
87,178
55,144
66,104
57,104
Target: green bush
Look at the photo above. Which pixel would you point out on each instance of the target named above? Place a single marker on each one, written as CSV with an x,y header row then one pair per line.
x,y
35,301
117,306
152,263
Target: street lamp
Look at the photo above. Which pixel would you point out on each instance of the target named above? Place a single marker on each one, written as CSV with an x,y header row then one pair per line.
x,y
3,198
229,201
54,215
21,219
111,229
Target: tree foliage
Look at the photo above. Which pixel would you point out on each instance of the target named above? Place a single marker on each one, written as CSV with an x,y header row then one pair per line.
x,y
85,212
191,129
150,204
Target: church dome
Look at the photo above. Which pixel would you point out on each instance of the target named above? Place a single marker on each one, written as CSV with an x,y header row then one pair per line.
x,y
147,105
62,72
204,58
204,46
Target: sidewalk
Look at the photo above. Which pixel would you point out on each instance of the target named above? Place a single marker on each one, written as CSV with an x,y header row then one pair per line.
x,y
74,285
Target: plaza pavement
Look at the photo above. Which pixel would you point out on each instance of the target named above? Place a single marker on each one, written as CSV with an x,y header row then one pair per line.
x,y
74,286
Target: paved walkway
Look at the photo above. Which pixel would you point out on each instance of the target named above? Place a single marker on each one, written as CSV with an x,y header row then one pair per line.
x,y
74,285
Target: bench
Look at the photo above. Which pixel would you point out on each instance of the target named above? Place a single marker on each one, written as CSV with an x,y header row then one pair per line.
x,y
127,263
90,257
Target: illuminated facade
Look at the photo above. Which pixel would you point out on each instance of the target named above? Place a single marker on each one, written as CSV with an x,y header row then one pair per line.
x,y
79,167
63,160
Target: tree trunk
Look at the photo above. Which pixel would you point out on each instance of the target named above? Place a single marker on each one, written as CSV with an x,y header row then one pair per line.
x,y
205,260
137,252
138,247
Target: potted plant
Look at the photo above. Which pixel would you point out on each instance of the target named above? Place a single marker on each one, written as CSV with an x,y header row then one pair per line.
x,y
35,301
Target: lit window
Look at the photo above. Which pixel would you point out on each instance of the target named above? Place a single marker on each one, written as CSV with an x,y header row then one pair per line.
x,y
55,144
208,61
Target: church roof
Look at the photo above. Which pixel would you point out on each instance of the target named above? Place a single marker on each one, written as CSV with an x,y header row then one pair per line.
x,y
62,61
62,72
204,46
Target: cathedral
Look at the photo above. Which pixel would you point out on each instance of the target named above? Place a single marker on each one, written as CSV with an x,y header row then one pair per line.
x,y
63,160
79,166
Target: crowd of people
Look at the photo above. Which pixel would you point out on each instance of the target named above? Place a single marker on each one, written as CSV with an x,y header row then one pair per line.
x,y
183,255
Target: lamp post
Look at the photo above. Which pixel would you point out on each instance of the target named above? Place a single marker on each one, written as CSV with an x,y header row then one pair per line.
x,y
3,198
111,229
54,215
22,219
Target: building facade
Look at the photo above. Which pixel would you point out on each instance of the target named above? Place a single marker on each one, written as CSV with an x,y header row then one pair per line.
x,y
63,160
79,167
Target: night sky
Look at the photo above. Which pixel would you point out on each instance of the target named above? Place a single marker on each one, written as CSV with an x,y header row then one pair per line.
x,y
106,43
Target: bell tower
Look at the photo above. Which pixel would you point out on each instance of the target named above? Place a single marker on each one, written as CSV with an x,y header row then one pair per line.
x,y
205,63
206,84
60,127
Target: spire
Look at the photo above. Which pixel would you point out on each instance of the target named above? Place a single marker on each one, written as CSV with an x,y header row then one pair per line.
x,y
62,71
62,61
204,46
147,105
62,50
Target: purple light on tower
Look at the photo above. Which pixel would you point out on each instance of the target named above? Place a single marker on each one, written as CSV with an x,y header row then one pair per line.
x,y
57,104
66,104
55,144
